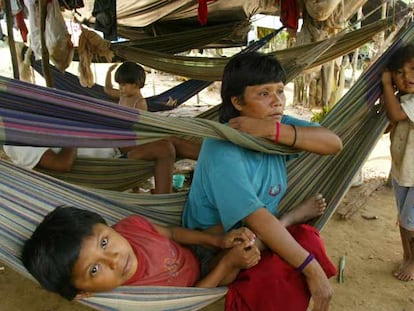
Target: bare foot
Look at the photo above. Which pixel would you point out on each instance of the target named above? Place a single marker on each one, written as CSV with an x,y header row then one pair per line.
x,y
305,211
406,271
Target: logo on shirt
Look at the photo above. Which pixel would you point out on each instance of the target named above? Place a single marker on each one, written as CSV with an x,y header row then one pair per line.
x,y
275,190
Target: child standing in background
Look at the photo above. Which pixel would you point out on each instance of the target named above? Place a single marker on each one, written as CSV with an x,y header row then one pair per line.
x,y
400,112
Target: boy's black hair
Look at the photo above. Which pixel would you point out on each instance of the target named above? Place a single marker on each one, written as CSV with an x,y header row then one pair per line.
x,y
130,72
247,70
401,56
52,250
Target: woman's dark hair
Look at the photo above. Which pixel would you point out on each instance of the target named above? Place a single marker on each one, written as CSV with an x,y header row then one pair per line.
x,y
401,56
247,70
130,72
52,250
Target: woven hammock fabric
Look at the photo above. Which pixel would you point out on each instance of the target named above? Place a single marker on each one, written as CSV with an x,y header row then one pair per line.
x,y
300,57
37,116
181,41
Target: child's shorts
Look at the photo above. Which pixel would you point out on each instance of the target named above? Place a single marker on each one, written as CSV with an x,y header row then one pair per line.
x,y
405,204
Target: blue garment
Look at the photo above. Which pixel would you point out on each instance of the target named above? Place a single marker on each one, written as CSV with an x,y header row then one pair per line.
x,y
231,182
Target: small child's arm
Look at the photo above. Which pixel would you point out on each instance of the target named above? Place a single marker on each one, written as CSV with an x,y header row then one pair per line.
x,y
392,104
109,89
188,236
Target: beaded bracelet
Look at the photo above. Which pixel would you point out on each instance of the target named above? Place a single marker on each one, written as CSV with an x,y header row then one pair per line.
x,y
277,132
305,262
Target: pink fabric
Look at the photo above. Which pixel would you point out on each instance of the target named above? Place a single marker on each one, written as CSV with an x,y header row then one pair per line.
x,y
202,11
290,14
273,284
161,261
22,25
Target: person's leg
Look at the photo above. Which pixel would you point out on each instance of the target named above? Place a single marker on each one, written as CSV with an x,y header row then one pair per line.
x,y
162,152
406,270
305,211
405,204
186,149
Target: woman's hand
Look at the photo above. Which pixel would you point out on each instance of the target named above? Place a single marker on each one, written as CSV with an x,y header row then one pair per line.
x,y
238,236
257,127
242,256
319,286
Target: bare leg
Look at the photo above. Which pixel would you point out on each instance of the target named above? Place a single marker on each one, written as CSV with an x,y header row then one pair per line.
x,y
187,149
406,270
162,152
305,211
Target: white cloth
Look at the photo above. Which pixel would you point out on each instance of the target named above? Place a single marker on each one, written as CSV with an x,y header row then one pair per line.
x,y
29,157
402,147
407,104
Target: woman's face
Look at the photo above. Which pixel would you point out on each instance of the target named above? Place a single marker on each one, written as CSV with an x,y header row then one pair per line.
x,y
264,101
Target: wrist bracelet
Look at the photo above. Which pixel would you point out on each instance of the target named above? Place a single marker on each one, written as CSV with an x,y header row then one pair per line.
x,y
277,132
306,262
295,135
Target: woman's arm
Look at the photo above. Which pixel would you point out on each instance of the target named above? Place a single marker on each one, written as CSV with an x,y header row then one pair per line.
x,y
278,239
316,139
392,104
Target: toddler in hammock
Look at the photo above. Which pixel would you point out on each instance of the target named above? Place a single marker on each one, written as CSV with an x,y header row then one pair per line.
x,y
400,112
74,253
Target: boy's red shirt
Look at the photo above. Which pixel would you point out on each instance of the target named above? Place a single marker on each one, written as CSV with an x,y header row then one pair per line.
x,y
161,261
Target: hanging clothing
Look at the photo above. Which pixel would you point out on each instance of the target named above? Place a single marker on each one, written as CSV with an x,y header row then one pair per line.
x,y
105,13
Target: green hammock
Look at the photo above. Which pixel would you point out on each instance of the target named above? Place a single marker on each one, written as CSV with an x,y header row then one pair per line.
x,y
180,41
211,69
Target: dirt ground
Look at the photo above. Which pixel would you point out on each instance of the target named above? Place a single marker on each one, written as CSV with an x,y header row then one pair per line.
x,y
369,239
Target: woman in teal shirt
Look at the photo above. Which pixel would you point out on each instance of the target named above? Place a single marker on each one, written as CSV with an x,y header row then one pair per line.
x,y
233,186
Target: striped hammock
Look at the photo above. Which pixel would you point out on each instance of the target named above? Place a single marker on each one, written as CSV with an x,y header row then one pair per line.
x,y
26,196
103,174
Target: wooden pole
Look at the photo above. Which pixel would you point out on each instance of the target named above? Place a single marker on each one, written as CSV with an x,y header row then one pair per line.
x,y
45,53
12,46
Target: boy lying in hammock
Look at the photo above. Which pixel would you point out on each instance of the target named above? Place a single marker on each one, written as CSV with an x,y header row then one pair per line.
x,y
162,152
74,253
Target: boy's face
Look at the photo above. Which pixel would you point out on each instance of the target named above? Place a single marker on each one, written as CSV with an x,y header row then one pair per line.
x,y
404,77
128,89
106,260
